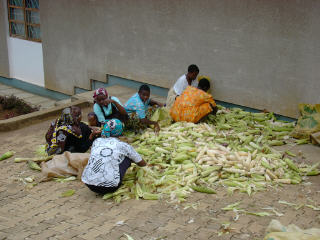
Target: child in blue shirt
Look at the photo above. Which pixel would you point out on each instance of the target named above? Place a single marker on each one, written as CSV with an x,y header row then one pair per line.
x,y
93,120
137,107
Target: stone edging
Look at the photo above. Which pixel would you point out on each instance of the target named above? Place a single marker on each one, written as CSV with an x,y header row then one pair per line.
x,y
35,117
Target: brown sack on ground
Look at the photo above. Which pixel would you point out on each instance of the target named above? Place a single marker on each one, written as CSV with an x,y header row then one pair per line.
x,y
315,138
277,231
309,121
65,165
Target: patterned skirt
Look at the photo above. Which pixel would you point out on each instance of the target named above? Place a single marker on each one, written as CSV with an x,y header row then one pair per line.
x,y
134,123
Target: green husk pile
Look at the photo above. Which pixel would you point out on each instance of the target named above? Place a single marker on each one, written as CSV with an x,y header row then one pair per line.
x,y
232,149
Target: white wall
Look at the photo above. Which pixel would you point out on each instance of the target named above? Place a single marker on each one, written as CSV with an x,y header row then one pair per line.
x,y
25,59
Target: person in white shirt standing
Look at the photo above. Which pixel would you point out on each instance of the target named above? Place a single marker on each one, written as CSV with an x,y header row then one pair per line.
x,y
180,85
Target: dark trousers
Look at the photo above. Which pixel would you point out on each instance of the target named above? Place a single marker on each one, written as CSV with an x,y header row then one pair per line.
x,y
123,167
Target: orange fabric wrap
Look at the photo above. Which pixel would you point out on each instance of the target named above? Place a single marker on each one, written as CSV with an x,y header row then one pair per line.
x,y
192,105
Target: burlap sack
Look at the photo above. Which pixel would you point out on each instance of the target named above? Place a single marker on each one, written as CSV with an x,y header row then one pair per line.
x,y
315,138
308,122
277,231
65,165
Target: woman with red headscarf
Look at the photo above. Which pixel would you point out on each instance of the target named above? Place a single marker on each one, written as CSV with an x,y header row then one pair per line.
x,y
107,107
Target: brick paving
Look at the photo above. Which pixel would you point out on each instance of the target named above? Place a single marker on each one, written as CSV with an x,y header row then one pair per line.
x,y
41,213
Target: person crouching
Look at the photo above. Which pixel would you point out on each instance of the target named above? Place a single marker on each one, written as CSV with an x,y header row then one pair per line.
x,y
109,160
194,104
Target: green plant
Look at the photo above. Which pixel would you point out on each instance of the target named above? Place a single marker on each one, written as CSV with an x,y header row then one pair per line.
x,y
22,107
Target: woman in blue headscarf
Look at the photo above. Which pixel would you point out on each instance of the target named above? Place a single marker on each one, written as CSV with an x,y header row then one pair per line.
x,y
109,160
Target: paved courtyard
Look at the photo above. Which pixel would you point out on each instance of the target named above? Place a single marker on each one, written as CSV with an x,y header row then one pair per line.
x,y
41,213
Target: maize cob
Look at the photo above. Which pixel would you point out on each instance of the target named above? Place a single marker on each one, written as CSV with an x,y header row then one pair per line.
x,y
150,196
181,157
286,181
159,149
252,144
36,159
272,175
276,143
6,155
303,141
291,165
34,166
290,153
295,181
265,164
68,193
213,179
234,170
313,173
233,184
203,189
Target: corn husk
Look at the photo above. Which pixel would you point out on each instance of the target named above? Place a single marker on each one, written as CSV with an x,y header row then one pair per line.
x,y
233,150
68,193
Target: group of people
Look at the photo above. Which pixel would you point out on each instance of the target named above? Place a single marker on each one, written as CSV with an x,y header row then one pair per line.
x,y
133,115
110,157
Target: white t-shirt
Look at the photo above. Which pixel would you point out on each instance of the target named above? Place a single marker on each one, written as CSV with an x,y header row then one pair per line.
x,y
103,165
182,83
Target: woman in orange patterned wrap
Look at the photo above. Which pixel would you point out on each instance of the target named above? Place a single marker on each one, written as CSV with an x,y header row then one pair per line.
x,y
194,103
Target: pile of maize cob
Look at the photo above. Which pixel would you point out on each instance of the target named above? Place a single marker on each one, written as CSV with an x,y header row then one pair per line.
x,y
232,149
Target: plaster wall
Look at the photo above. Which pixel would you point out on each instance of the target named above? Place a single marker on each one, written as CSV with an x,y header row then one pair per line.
x,y
260,54
4,63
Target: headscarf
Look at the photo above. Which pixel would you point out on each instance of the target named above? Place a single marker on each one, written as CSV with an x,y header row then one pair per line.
x,y
66,117
63,123
99,91
112,128
206,77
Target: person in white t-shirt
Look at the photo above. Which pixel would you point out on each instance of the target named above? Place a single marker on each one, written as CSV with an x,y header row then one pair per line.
x,y
109,160
180,85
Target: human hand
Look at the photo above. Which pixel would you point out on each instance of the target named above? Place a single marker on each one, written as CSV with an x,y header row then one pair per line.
x,y
96,131
94,127
107,101
142,163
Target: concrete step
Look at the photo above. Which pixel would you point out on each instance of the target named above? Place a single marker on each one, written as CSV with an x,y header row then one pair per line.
x,y
62,102
121,92
34,100
11,91
47,105
37,100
